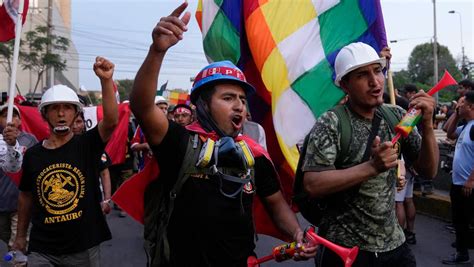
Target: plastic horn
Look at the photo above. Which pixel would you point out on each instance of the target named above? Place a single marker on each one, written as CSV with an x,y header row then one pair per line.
x,y
348,255
252,261
279,253
415,115
286,251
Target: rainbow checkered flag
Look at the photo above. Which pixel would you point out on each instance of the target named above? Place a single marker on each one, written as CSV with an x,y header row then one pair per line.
x,y
287,49
293,45
176,98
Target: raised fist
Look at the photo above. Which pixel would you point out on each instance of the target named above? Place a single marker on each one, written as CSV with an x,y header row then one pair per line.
x,y
103,68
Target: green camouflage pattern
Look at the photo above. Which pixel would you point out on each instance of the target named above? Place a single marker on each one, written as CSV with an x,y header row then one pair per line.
x,y
367,219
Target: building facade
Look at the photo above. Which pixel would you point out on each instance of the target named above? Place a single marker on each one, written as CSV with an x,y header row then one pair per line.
x,y
61,26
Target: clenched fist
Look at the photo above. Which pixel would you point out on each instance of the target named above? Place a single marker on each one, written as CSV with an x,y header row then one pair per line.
x,y
10,133
103,68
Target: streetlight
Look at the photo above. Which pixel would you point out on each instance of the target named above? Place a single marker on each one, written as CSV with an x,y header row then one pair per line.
x,y
435,50
462,44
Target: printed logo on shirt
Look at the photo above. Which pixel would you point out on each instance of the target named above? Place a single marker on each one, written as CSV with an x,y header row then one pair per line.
x,y
248,188
103,158
60,187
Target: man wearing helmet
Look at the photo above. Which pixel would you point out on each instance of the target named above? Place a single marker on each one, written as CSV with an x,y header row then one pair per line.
x,y
211,223
59,189
161,103
359,190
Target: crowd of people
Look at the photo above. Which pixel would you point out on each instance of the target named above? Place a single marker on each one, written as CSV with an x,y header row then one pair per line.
x,y
213,160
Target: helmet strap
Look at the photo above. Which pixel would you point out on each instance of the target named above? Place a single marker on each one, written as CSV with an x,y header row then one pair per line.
x,y
205,119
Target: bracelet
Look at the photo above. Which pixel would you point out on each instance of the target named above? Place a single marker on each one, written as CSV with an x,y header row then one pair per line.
x,y
107,201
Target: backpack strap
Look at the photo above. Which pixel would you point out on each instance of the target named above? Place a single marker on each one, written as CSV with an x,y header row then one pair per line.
x,y
299,193
190,157
344,127
389,115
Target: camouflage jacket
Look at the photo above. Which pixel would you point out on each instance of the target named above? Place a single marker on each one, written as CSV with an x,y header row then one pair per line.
x,y
367,217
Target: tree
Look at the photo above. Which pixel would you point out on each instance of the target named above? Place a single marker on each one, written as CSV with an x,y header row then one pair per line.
x,y
38,58
124,88
420,64
6,52
400,79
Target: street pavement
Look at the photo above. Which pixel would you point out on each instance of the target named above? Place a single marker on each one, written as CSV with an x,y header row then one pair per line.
x,y
126,247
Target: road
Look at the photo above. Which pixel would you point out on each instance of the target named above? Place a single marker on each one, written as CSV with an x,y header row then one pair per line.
x,y
126,247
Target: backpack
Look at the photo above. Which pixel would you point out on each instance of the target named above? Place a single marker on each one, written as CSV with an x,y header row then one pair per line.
x,y
313,209
160,207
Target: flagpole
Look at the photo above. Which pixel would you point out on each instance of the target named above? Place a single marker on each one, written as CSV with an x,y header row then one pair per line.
x,y
16,52
391,89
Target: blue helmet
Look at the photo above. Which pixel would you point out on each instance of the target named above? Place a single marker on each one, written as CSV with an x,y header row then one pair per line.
x,y
219,72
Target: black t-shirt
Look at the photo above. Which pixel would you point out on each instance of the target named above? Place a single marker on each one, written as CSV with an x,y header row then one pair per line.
x,y
207,228
64,183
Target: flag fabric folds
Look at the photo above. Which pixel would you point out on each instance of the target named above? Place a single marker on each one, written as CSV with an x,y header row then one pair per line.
x,y
162,89
294,45
8,18
175,98
287,51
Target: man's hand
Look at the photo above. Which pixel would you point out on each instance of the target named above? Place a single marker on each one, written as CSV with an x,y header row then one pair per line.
x,y
103,68
105,205
20,244
384,156
426,104
401,182
170,29
459,104
385,53
10,133
309,251
467,188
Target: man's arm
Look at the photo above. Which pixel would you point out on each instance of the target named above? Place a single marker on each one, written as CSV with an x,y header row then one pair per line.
x,y
286,220
451,126
452,123
167,33
106,185
319,184
427,161
104,69
25,203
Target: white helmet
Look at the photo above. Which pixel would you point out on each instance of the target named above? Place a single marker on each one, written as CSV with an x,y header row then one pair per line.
x,y
354,56
159,99
59,94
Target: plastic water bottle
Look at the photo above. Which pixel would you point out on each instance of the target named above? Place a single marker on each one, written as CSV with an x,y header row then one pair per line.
x,y
16,257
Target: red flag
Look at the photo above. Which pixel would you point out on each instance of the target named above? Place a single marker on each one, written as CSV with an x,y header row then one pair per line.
x,y
130,194
117,145
32,122
8,18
